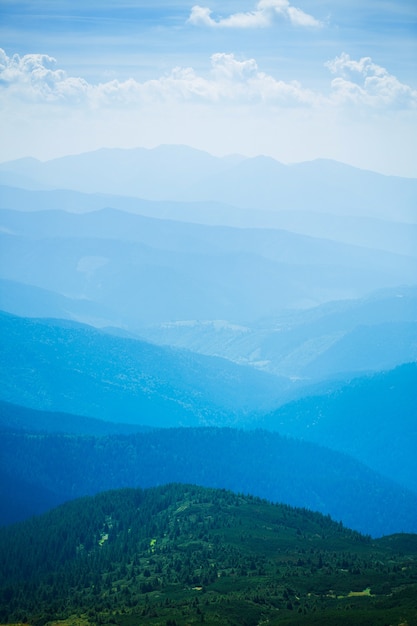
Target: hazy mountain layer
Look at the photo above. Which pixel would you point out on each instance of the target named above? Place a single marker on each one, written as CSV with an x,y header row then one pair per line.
x,y
180,173
69,367
260,463
272,243
29,301
186,555
144,271
393,235
338,338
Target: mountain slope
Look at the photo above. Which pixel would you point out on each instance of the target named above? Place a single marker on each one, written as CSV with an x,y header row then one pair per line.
x,y
366,348
372,418
29,301
148,285
68,367
183,555
14,417
336,339
259,462
22,499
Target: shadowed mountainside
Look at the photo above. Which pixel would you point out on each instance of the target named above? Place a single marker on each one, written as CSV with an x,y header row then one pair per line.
x,y
372,418
258,462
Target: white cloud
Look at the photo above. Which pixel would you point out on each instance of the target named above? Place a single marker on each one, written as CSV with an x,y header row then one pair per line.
x,y
35,78
265,13
364,82
201,16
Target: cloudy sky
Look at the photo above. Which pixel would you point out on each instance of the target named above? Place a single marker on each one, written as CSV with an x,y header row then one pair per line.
x,y
314,79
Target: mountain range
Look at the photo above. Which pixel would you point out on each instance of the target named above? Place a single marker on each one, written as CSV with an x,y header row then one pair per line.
x,y
234,323
204,238
141,270
180,173
393,235
62,366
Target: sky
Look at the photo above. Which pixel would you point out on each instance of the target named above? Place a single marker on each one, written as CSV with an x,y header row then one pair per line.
x,y
295,81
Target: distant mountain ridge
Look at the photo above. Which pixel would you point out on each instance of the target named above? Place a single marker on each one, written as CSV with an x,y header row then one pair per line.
x,y
149,270
393,235
182,173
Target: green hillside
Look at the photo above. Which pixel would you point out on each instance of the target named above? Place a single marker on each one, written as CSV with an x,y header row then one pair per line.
x,y
181,554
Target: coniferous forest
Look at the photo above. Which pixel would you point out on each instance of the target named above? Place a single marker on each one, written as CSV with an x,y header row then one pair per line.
x,y
181,554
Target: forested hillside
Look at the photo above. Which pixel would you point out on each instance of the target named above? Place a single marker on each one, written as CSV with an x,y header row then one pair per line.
x,y
181,555
260,463
15,417
64,366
